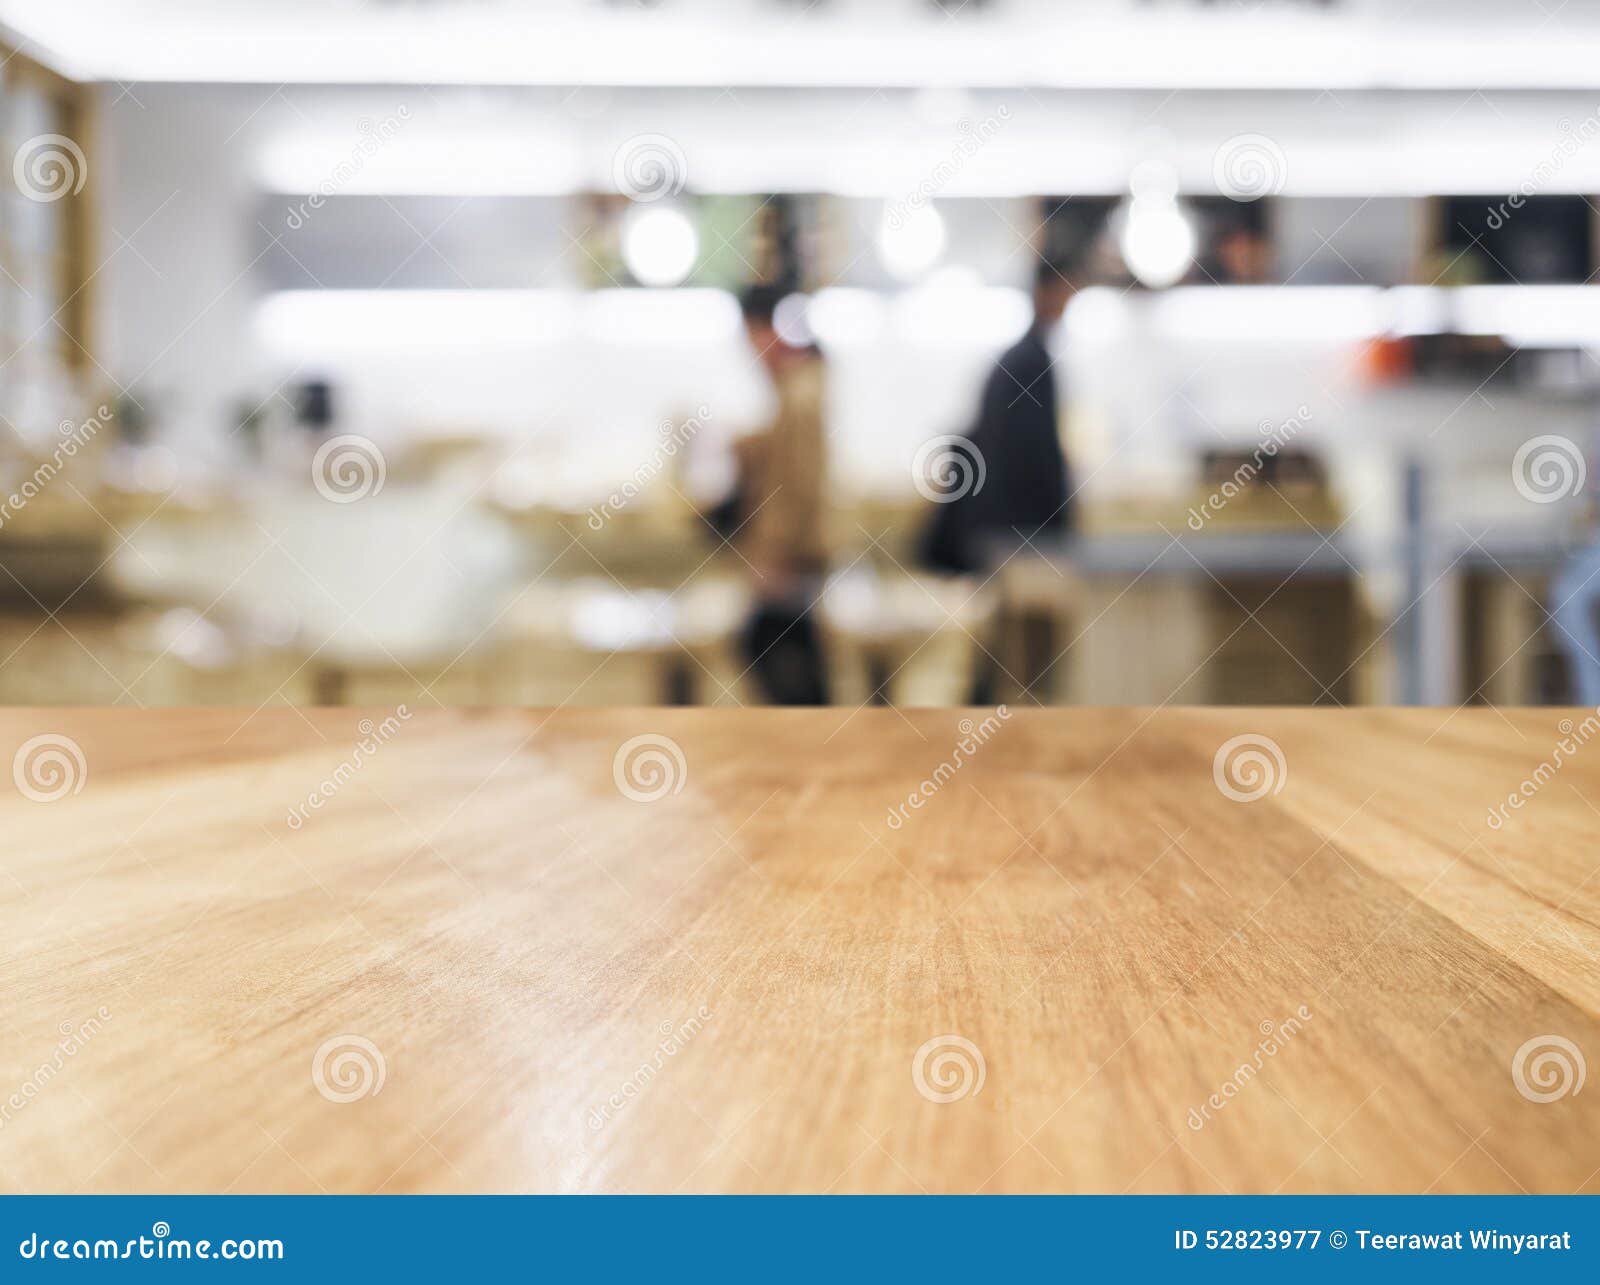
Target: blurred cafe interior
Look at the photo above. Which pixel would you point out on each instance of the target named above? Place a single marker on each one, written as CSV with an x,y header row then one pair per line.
x,y
360,351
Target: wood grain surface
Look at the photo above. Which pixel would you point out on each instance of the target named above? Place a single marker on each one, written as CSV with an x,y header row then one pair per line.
x,y
522,979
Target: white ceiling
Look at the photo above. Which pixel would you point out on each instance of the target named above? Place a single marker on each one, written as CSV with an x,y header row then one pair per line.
x,y
1266,44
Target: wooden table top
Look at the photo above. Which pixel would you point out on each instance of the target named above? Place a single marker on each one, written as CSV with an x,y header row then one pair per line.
x,y
1090,961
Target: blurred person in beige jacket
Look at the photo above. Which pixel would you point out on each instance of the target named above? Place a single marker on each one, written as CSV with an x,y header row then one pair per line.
x,y
779,522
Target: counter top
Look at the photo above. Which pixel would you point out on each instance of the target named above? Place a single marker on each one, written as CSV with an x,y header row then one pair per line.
x,y
1302,552
1255,553
523,951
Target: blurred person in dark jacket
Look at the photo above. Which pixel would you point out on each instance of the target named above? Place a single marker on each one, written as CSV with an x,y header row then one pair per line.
x,y
1014,483
778,515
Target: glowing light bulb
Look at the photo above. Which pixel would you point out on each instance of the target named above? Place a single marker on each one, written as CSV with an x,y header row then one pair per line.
x,y
659,245
1157,241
